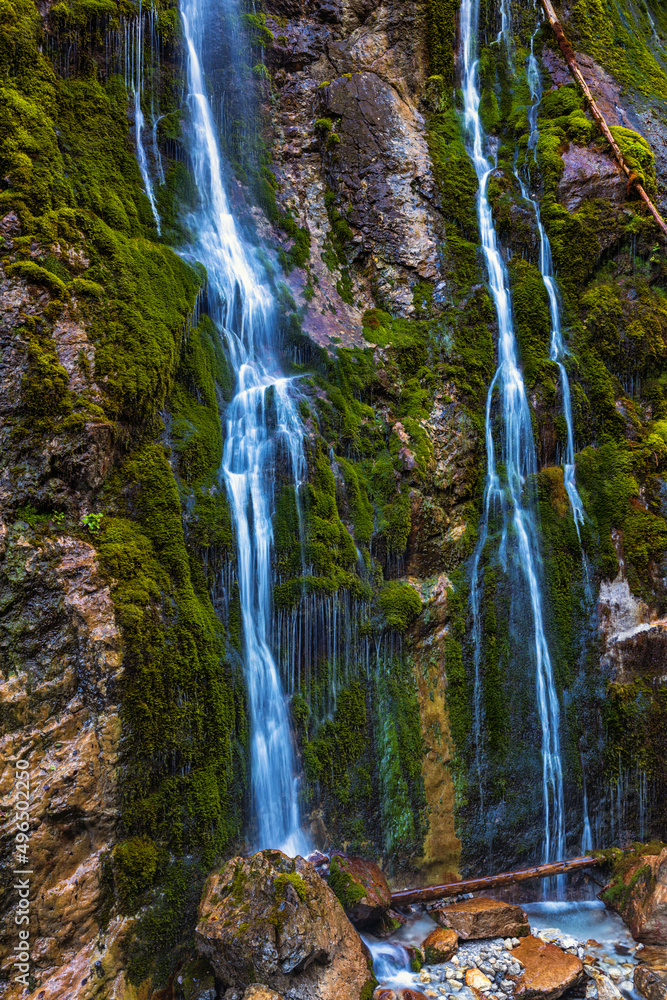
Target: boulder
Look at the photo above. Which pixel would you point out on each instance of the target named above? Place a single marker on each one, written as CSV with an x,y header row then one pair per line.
x,y
361,888
272,918
548,971
259,992
440,945
384,993
483,918
651,982
408,994
639,895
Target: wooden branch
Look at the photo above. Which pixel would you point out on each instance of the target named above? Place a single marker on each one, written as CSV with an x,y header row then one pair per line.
x,y
571,60
433,892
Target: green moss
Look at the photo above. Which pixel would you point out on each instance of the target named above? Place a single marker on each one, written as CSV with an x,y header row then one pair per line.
x,y
348,891
134,867
454,171
294,879
45,394
400,604
441,34
36,275
532,318
620,38
638,155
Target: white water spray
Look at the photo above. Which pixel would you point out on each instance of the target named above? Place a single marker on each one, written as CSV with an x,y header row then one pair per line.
x,y
506,478
263,429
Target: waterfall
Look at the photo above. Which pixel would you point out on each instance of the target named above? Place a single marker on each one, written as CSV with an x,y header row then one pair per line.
x,y
506,477
134,75
263,429
557,349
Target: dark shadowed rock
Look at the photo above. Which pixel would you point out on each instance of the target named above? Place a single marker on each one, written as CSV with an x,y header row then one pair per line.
x,y
548,971
483,918
361,889
273,919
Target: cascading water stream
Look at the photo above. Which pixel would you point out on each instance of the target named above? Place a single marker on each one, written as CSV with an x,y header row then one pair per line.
x,y
263,429
557,349
506,478
134,75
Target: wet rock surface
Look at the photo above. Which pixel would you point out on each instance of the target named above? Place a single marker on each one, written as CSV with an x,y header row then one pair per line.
x,y
272,918
548,971
361,887
440,945
651,982
484,918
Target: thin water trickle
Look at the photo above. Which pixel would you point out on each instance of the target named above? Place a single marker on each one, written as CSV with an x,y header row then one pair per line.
x,y
264,430
134,75
506,476
557,349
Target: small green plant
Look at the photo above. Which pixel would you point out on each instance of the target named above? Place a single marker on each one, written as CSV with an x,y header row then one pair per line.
x,y
58,517
92,522
324,125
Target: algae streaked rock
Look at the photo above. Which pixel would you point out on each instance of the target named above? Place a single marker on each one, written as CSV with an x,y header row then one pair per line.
x,y
361,889
273,918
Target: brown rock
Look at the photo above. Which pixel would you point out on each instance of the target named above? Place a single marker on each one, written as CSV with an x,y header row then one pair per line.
x,y
383,993
548,971
644,906
408,994
440,945
259,992
361,888
654,955
651,982
273,918
483,918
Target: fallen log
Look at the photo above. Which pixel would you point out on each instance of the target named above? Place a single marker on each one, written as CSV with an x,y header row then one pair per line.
x,y
571,60
432,892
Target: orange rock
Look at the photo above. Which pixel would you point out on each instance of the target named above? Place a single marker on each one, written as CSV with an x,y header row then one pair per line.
x,y
548,971
651,982
476,980
483,918
384,993
407,994
440,945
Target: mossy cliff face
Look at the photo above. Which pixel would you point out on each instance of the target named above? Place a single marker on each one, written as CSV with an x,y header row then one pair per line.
x,y
120,617
116,683
365,111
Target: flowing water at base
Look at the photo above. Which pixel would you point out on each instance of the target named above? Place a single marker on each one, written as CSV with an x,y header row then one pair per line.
x,y
586,925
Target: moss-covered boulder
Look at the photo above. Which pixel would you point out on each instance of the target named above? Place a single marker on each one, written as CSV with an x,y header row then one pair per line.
x,y
272,919
361,889
638,891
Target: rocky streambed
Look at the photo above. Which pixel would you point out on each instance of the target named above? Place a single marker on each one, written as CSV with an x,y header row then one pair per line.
x,y
276,928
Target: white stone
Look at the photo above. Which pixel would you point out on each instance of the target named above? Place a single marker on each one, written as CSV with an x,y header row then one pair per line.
x,y
606,989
